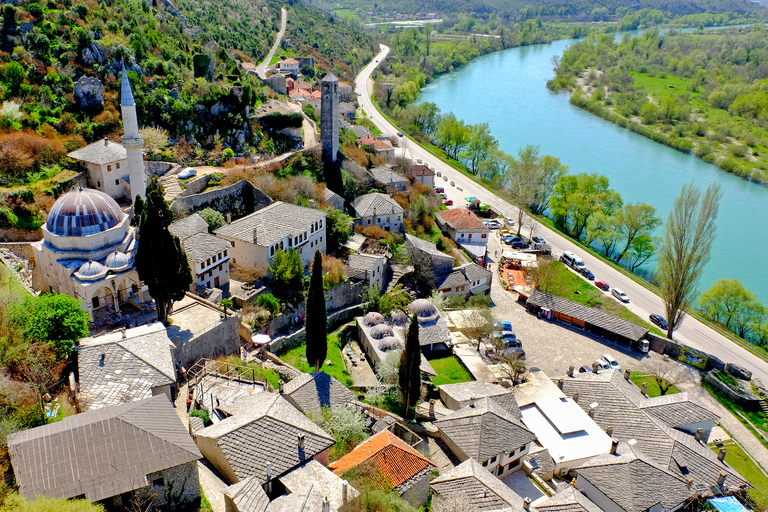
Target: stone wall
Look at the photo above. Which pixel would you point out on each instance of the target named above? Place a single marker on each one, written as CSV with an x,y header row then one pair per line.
x,y
79,180
749,401
196,186
228,199
343,295
334,320
673,349
159,167
358,172
180,485
221,340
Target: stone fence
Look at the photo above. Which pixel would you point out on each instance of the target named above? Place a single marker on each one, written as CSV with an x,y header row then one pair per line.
x,y
747,400
684,353
160,168
242,196
196,186
335,319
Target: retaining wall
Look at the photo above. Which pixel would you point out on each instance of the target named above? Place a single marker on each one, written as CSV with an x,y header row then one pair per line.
x,y
196,186
228,199
334,320
749,401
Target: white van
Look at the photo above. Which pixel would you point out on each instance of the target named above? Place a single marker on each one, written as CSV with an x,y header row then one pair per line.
x,y
572,261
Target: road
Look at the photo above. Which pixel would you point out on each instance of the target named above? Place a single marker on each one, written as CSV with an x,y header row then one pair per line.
x,y
261,69
643,301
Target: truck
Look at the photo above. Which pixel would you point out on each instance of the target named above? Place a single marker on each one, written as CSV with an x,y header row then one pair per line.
x,y
643,346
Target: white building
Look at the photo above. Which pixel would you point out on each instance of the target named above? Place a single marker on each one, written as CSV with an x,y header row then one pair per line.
x,y
288,66
208,255
87,251
466,229
423,174
256,237
368,267
378,210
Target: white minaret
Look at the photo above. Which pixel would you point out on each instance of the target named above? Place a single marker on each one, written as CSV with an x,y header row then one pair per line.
x,y
132,141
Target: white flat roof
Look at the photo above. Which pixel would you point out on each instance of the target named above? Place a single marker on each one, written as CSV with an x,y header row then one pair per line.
x,y
563,428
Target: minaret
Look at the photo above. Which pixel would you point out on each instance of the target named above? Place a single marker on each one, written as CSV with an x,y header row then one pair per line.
x,y
132,141
329,117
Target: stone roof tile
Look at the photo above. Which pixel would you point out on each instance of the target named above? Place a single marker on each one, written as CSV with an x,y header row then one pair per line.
x,y
272,223
311,392
376,204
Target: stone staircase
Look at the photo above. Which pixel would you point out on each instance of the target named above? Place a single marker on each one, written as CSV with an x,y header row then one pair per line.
x,y
171,185
396,273
287,373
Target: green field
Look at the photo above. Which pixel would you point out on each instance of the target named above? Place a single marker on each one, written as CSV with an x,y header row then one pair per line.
x,y
739,461
638,379
344,13
297,358
449,371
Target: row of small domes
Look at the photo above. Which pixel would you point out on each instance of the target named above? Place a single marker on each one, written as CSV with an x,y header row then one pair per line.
x,y
114,261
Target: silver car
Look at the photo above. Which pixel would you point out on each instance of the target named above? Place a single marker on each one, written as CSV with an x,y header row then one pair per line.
x,y
623,297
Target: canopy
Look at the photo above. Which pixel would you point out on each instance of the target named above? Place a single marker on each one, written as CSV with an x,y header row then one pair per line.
x,y
727,504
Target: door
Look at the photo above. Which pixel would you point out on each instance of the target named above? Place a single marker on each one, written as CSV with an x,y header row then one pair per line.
x,y
216,282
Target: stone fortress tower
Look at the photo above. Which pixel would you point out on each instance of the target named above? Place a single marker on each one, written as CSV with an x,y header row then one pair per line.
x,y
133,141
329,117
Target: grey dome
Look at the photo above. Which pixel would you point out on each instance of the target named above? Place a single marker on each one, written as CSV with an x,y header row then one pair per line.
x,y
399,318
83,212
373,318
380,331
389,343
117,260
424,309
91,269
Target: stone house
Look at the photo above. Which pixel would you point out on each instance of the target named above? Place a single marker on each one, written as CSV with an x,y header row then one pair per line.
x,y
383,148
401,467
313,474
473,482
423,175
289,66
108,456
466,229
378,209
106,164
207,254
389,179
422,250
332,198
125,366
256,237
468,279
371,268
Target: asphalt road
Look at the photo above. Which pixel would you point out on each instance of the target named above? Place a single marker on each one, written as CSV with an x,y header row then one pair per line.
x,y
261,69
642,301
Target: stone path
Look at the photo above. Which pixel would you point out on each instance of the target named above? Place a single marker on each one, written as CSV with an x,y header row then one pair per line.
x,y
474,363
172,186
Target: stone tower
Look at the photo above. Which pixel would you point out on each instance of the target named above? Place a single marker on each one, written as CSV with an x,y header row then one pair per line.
x,y
329,117
132,141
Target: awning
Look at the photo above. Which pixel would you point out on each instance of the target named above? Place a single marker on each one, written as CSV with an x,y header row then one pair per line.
x,y
728,504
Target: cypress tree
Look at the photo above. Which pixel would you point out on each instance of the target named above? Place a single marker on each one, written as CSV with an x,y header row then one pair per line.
x,y
316,326
160,260
410,368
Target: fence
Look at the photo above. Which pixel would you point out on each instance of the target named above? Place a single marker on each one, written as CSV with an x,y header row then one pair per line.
x,y
334,320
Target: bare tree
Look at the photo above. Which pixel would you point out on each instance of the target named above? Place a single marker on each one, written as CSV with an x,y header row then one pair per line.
x,y
476,324
141,503
684,249
666,373
41,369
546,275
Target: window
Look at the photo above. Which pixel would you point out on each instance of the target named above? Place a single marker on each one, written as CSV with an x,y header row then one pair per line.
x,y
483,235
158,482
369,221
109,168
234,260
208,262
233,244
493,459
387,219
117,165
321,239
98,184
470,235
321,223
485,463
225,253
95,302
272,251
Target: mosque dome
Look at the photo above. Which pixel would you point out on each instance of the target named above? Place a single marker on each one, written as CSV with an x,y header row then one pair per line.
x,y
117,260
389,343
425,310
373,318
399,318
91,269
380,331
83,212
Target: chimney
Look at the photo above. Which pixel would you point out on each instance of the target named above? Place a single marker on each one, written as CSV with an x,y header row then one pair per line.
x,y
627,374
527,504
721,479
326,505
614,445
472,401
281,387
689,482
312,203
594,367
591,413
122,331
255,232
699,434
432,408
644,388
269,477
560,384
229,218
106,141
609,431
721,454
570,371
576,397
301,440
344,487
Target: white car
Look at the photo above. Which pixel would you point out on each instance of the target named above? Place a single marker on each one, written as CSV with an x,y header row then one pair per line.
x,y
492,224
187,173
602,365
623,297
612,362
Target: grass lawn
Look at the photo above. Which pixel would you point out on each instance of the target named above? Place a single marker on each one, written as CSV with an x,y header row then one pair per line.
x,y
275,60
638,379
344,13
11,289
757,418
746,468
297,358
449,371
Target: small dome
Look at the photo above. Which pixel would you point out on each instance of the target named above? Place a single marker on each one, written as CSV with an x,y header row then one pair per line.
x,y
380,331
373,318
91,269
83,212
399,318
117,260
389,343
424,309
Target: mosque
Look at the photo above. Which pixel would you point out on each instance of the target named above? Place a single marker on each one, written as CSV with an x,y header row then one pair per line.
x,y
88,245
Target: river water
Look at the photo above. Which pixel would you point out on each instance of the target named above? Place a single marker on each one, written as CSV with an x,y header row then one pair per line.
x,y
508,91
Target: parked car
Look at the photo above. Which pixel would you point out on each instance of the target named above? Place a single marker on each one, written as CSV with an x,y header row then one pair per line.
x,y
588,274
516,351
602,364
492,224
443,195
503,325
439,190
539,240
623,297
445,178
602,285
608,358
187,173
519,245
508,239
448,202
585,369
659,320
399,134
504,231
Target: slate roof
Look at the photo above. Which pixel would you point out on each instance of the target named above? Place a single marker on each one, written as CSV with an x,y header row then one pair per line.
x,y
677,410
434,332
273,223
421,170
376,204
425,246
101,152
101,453
592,316
387,177
485,430
114,370
541,461
327,483
463,275
248,495
363,262
265,428
390,457
311,392
202,246
633,483
464,392
461,220
484,491
307,499
569,499
361,131
188,226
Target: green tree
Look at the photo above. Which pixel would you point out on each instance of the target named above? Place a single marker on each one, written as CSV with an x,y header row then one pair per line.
x,y
215,219
452,134
578,197
52,318
160,260
640,251
337,228
636,219
684,249
269,302
285,271
479,145
410,372
317,319
394,299
729,303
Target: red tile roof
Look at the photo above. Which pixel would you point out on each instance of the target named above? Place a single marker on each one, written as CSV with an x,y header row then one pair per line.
x,y
421,170
382,145
393,459
365,141
289,61
461,219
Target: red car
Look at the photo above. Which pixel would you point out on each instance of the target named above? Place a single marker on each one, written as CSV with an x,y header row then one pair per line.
x,y
602,285
448,202
439,190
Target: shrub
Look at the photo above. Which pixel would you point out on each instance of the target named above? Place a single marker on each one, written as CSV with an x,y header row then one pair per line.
x,y
201,413
8,219
481,301
333,271
227,154
10,115
269,301
214,219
